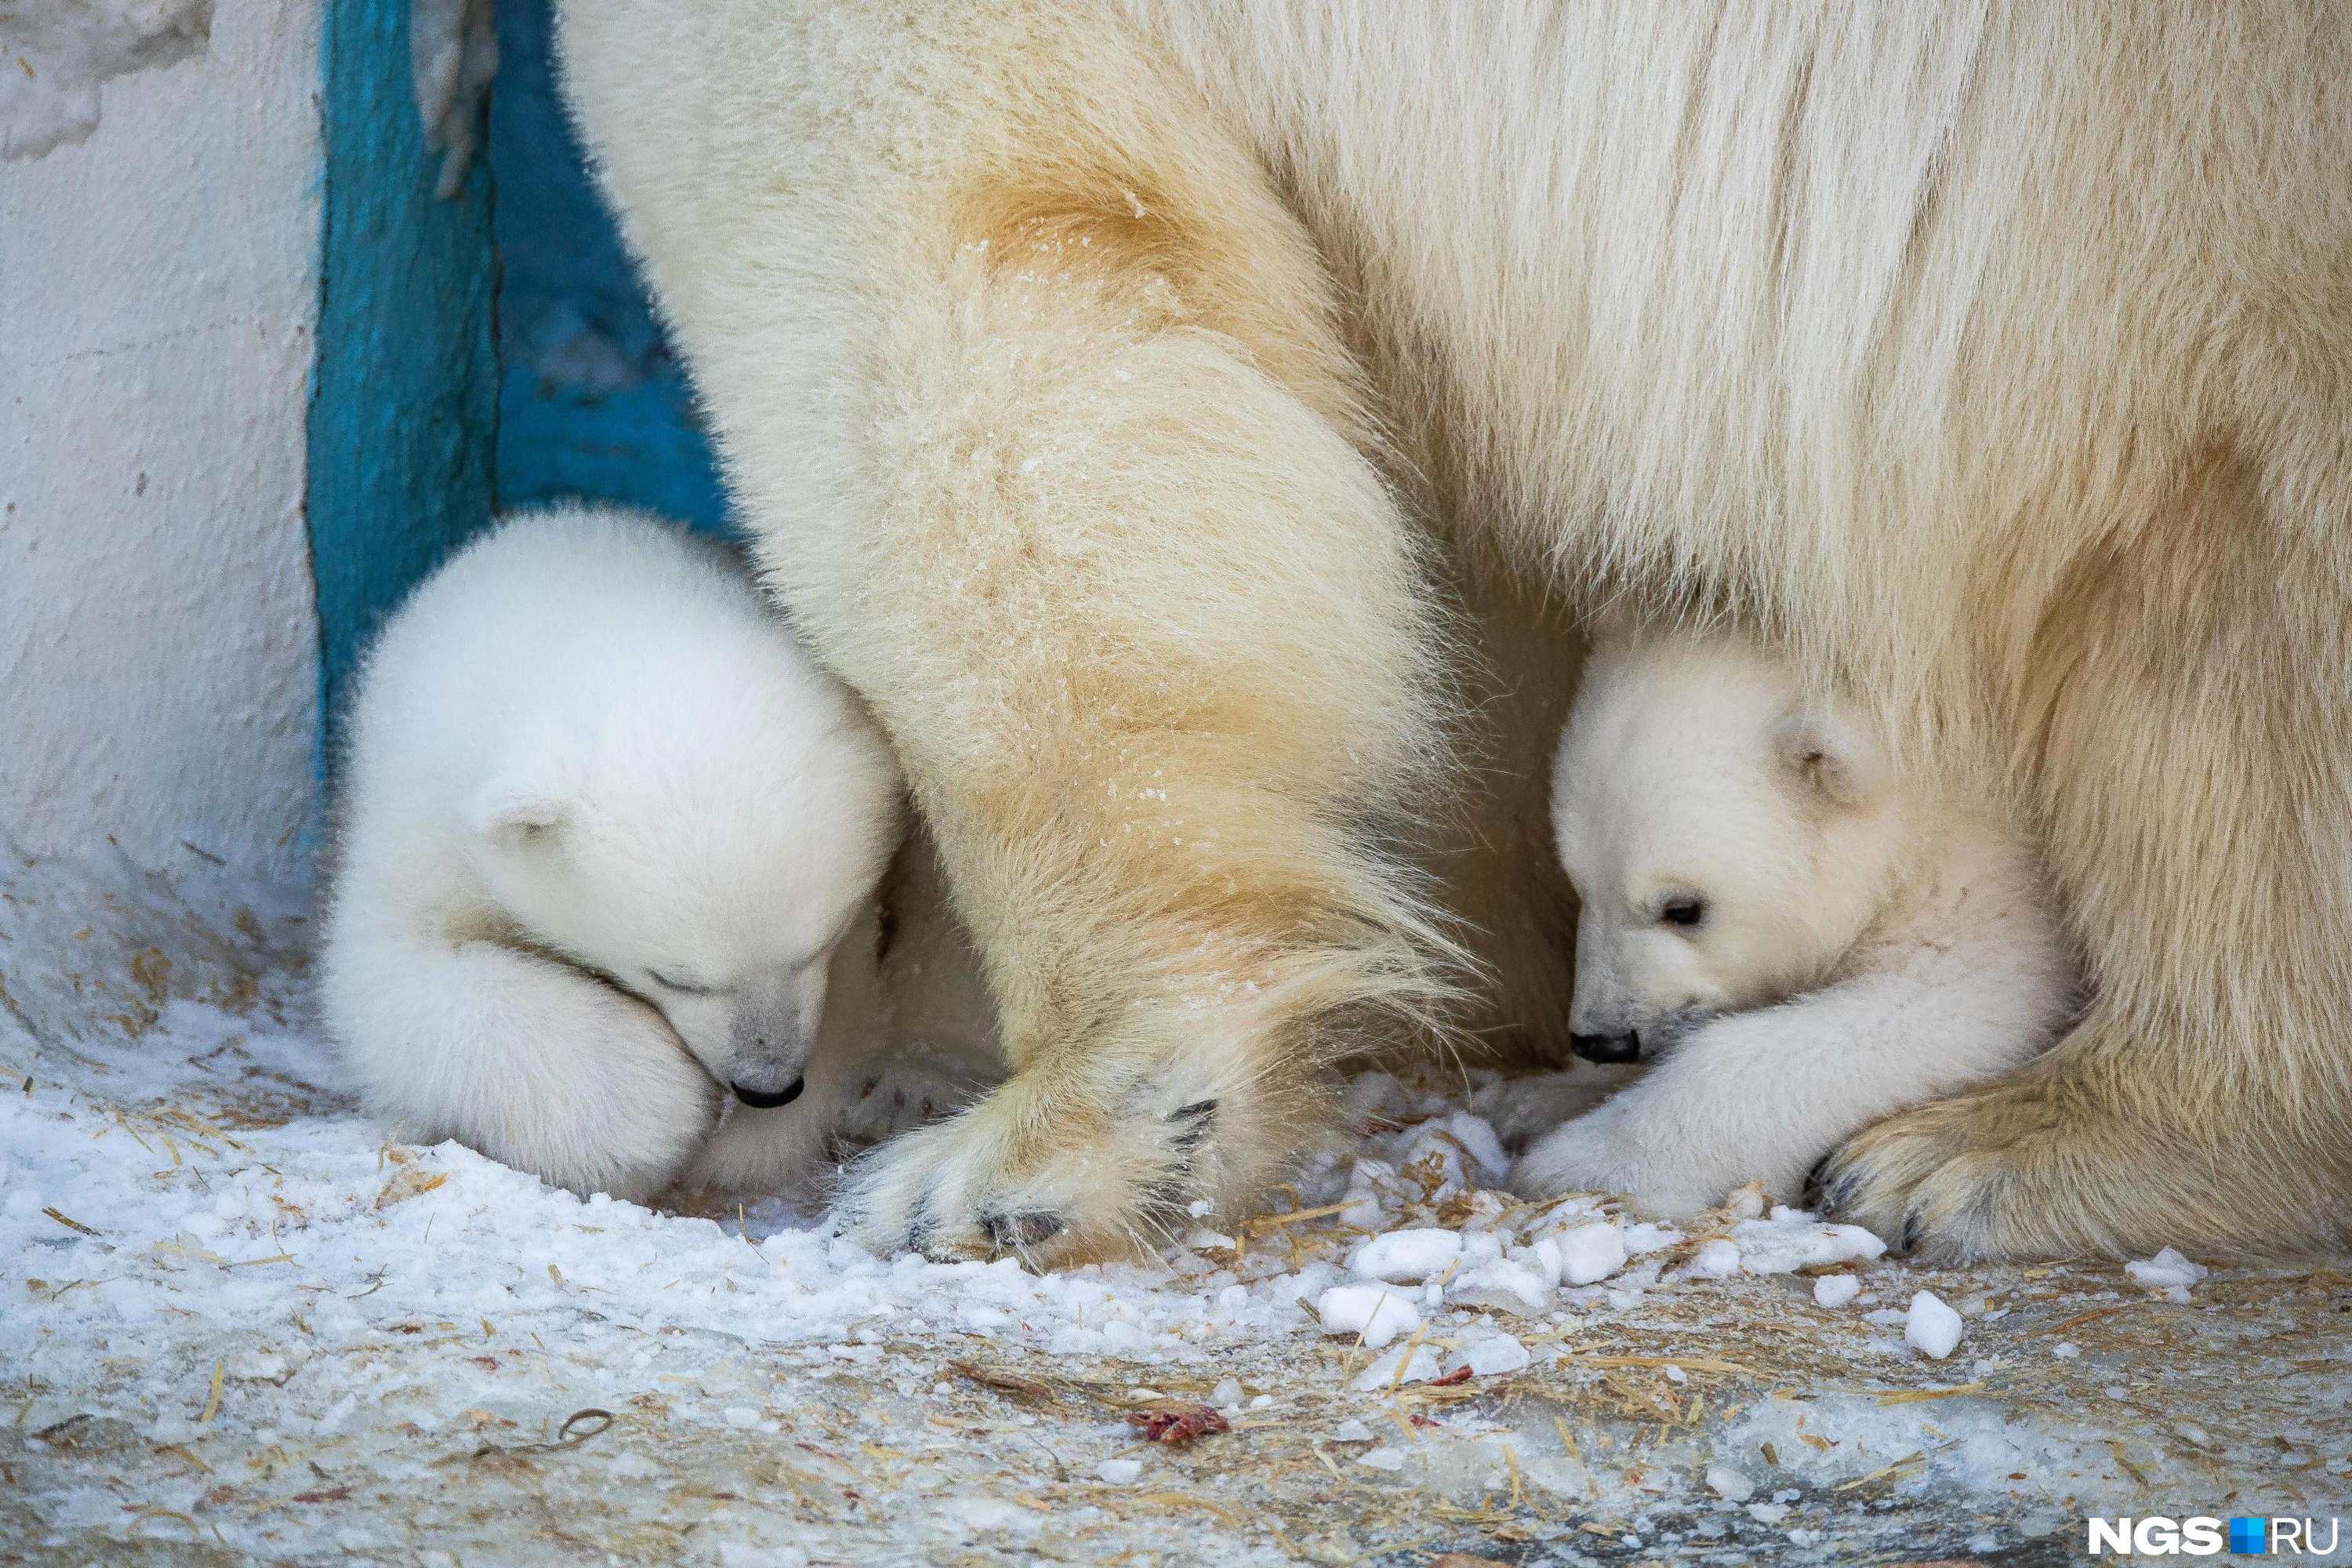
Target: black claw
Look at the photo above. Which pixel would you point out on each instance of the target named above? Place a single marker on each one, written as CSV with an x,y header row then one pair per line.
x,y
1816,1196
1012,1232
922,1228
1836,1197
1910,1233
1194,1123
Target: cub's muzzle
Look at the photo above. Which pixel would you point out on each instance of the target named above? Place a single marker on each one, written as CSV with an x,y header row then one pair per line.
x,y
759,1098
1609,1048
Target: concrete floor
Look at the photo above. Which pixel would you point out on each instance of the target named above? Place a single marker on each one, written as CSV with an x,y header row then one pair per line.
x,y
378,1444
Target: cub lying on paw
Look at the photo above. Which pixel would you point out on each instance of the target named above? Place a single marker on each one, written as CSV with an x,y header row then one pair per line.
x,y
1800,941
608,837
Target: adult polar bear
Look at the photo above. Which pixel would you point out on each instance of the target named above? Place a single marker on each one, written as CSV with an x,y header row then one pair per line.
x,y
1108,389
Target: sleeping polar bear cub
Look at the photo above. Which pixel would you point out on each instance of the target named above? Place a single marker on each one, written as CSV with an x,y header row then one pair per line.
x,y
1801,942
609,838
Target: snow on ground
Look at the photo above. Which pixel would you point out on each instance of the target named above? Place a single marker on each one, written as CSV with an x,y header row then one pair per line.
x,y
242,1324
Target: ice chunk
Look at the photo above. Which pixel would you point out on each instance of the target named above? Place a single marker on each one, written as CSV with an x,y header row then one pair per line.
x,y
1717,1260
1226,1392
1374,1090
1480,1247
1405,1254
1475,1134
1930,1327
1505,1286
1396,1367
1590,1253
2166,1267
260,1366
1836,1290
1490,1357
1373,1311
1120,1472
1784,1246
1383,1458
1309,1281
1431,1142
1648,1238
1351,1431
1730,1484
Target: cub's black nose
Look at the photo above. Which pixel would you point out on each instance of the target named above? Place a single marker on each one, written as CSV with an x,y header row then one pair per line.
x,y
767,1099
1625,1048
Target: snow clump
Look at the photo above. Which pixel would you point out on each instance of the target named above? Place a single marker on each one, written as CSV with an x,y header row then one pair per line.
x,y
1930,1327
1372,1312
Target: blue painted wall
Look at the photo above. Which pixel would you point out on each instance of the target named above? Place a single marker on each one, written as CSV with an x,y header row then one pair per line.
x,y
590,401
476,354
404,403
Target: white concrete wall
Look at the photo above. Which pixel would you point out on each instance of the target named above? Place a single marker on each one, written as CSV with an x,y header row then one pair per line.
x,y
158,291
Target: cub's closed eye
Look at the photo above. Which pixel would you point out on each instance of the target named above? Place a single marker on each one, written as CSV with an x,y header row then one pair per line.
x,y
1683,911
683,987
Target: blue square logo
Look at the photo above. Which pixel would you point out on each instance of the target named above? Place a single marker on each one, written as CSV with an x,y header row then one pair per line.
x,y
2248,1535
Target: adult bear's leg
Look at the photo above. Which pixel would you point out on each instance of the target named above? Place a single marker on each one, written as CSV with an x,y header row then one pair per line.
x,y
2152,429
1036,404
2189,733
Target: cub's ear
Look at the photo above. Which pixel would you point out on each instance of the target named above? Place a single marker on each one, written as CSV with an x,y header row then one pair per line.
x,y
510,810
1828,757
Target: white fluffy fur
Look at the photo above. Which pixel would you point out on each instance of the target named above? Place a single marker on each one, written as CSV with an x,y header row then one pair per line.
x,y
606,829
909,1038
1100,379
1861,944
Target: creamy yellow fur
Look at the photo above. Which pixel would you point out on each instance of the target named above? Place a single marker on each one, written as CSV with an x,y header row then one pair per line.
x,y
1097,379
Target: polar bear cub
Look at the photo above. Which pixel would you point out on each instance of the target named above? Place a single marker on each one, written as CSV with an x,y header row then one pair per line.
x,y
1801,941
604,826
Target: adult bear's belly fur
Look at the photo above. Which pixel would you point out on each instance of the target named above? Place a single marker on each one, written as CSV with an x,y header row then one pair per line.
x,y
1186,429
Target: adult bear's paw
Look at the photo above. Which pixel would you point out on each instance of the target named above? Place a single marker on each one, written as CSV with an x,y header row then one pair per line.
x,y
2035,1167
1044,1171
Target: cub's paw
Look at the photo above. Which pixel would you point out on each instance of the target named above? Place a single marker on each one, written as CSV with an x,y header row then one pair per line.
x,y
1043,1171
2026,1169
624,1115
1664,1170
1602,1151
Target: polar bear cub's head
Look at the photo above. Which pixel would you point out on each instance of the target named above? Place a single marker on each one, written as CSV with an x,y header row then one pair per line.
x,y
691,807
1729,838
712,874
